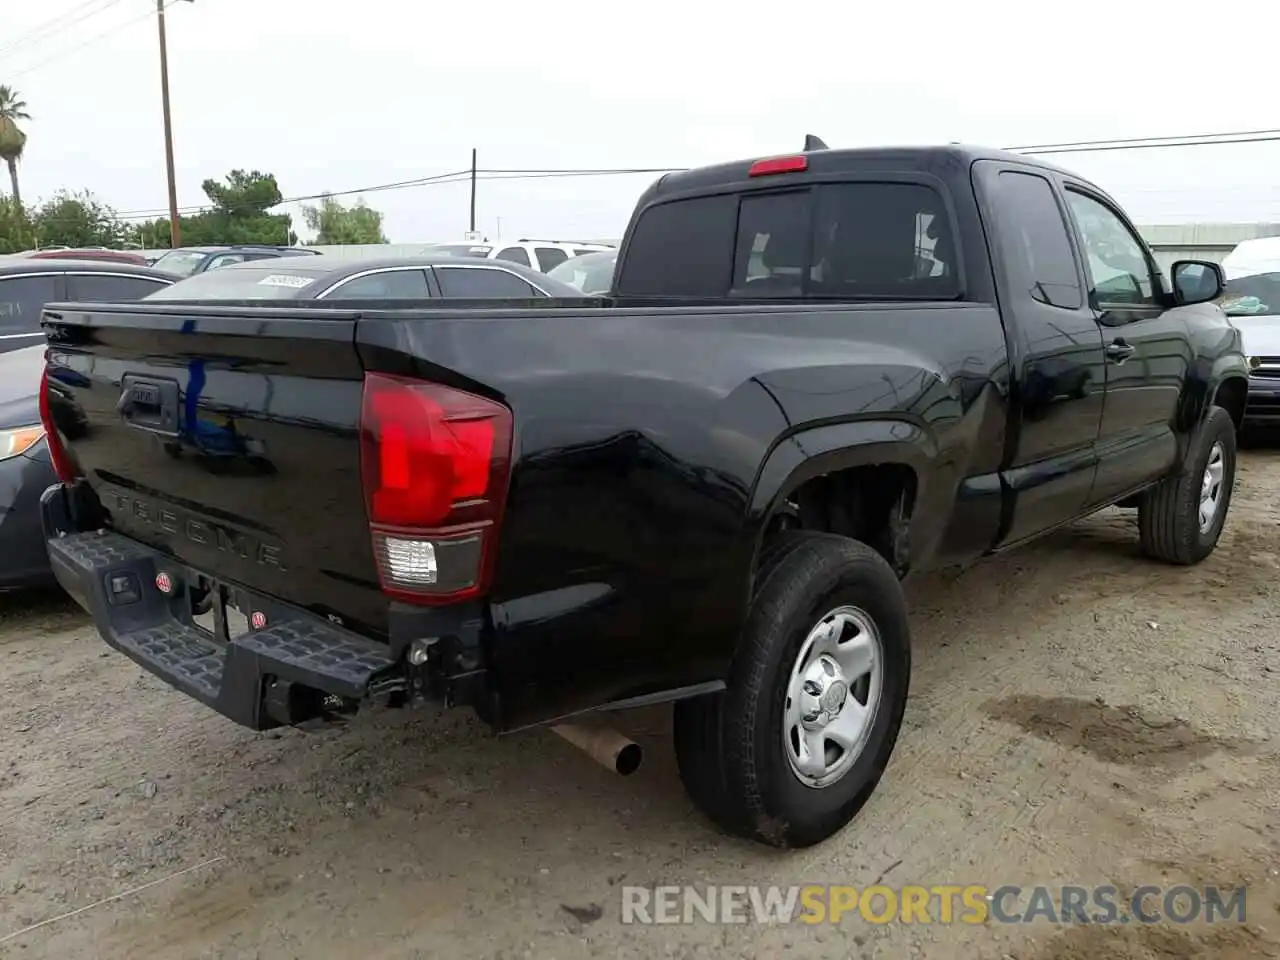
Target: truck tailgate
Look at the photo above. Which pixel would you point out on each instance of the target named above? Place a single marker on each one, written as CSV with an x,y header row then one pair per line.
x,y
227,439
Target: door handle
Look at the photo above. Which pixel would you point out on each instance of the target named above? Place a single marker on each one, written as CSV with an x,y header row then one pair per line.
x,y
1119,350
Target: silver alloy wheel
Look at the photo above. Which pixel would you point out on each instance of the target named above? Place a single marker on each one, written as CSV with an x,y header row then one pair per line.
x,y
1211,487
833,696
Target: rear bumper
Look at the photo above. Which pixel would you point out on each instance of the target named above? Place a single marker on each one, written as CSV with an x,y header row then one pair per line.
x,y
1262,408
297,667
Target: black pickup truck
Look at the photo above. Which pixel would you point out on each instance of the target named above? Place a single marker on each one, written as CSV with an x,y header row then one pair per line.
x,y
815,374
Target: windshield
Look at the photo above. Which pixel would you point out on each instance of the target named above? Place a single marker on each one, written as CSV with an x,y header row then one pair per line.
x,y
591,273
235,283
1257,295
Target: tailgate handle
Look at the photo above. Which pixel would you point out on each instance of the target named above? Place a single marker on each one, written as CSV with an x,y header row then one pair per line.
x,y
149,403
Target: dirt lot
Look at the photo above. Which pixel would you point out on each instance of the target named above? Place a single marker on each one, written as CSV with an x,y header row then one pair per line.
x,y
1078,716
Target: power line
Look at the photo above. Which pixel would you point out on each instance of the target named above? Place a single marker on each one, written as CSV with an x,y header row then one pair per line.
x,y
92,40
1136,141
1107,147
62,21
456,176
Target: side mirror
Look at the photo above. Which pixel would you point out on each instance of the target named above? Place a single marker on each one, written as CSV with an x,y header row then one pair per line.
x,y
1197,281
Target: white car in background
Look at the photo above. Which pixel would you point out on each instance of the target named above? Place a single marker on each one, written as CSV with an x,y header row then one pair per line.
x,y
592,273
543,255
1252,302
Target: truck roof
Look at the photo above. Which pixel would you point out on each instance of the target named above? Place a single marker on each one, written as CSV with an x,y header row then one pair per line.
x,y
898,159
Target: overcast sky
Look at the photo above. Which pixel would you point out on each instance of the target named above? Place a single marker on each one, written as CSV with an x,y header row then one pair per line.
x,y
333,96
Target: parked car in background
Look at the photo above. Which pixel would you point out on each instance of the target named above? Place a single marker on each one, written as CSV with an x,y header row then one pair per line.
x,y
27,284
25,470
542,255
1252,302
402,278
188,261
89,253
592,273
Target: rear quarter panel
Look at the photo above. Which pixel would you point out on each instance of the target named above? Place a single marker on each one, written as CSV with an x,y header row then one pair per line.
x,y
641,436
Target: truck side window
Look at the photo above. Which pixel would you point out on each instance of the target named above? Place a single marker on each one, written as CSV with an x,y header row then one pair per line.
x,y
682,248
1043,244
1119,272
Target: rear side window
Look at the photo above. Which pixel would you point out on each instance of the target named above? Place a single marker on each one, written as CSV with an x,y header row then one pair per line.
x,y
21,300
390,285
481,282
1042,251
683,248
515,255
106,289
549,257
840,241
774,249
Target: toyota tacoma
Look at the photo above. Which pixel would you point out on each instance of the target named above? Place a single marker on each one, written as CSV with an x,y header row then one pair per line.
x,y
814,375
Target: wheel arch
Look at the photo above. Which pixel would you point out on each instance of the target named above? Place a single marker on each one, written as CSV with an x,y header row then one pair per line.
x,y
894,455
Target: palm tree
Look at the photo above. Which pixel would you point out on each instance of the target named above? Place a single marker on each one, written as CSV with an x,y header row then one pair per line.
x,y
12,140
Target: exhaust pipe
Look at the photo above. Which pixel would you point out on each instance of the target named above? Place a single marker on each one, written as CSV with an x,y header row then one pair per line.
x,y
606,747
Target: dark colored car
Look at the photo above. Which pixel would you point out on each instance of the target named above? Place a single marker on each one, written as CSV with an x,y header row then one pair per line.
x,y
401,278
25,470
815,375
27,284
90,253
188,261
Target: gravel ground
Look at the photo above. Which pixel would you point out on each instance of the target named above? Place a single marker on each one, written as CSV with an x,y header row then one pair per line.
x,y
1078,716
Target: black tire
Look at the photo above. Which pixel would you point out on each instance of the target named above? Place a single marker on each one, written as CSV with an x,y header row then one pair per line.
x,y
729,746
1169,513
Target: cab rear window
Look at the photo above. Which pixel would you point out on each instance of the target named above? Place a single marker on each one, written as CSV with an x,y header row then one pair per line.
x,y
865,240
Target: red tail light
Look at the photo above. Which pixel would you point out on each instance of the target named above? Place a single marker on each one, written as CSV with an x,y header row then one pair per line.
x,y
57,452
762,168
435,463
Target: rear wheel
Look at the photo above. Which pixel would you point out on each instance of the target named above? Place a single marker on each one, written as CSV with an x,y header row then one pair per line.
x,y
793,748
1181,519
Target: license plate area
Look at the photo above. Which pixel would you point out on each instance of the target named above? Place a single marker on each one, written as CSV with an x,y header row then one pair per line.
x,y
217,610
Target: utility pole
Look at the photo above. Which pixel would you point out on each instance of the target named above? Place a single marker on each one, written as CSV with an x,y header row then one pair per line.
x,y
473,190
174,229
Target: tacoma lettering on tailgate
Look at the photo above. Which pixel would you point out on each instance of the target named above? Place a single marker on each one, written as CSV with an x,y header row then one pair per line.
x,y
130,511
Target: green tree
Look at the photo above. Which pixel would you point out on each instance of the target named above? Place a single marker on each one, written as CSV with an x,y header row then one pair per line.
x,y
334,223
12,140
16,229
77,220
238,214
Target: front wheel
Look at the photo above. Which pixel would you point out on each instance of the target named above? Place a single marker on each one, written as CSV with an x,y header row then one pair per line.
x,y
796,744
1181,518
